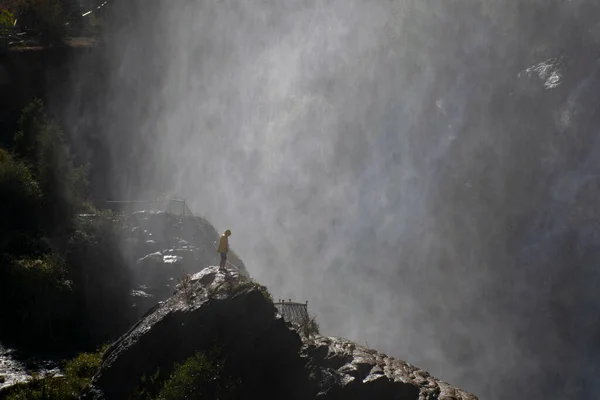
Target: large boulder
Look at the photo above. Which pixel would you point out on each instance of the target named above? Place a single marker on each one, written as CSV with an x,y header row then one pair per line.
x,y
268,358
260,348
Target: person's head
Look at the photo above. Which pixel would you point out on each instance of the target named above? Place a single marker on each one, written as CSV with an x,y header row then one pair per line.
x,y
227,232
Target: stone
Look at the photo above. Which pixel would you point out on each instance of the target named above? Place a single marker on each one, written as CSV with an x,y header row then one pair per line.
x,y
264,353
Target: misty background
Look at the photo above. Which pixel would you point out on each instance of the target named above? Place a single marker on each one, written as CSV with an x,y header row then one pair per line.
x,y
395,163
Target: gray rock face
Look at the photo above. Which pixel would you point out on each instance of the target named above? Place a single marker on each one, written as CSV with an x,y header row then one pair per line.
x,y
267,356
342,369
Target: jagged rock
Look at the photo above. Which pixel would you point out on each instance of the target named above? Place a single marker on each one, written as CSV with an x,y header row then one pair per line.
x,y
265,353
342,369
550,72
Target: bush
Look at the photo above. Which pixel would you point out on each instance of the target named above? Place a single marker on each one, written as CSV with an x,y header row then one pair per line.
x,y
247,283
201,376
80,370
7,20
20,197
77,375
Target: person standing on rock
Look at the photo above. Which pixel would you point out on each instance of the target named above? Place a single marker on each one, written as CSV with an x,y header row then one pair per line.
x,y
224,249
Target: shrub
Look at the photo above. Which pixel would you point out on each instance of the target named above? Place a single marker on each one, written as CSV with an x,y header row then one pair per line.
x,y
20,196
200,376
80,370
7,20
247,283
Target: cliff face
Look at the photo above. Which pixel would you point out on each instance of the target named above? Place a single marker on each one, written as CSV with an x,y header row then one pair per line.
x,y
264,354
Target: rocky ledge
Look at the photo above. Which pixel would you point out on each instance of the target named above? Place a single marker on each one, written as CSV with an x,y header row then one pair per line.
x,y
267,356
341,369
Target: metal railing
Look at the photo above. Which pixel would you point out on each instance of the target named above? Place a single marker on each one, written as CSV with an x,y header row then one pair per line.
x,y
293,312
172,206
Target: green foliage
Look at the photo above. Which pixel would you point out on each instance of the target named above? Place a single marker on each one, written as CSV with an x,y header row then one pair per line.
x,y
31,123
149,387
201,376
40,143
7,20
40,191
80,370
247,283
265,292
20,197
77,376
48,269
197,377
61,275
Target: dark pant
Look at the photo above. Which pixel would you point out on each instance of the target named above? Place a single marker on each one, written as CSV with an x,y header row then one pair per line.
x,y
223,259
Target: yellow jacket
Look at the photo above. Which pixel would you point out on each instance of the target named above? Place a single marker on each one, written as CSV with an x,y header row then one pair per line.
x,y
223,244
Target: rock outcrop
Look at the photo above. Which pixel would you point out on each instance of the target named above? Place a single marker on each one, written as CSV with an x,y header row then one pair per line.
x,y
160,247
268,358
341,369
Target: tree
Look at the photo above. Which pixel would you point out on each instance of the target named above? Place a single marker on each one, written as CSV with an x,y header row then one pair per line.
x,y
41,143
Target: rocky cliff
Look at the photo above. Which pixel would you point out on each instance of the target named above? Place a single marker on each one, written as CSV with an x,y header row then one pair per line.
x,y
265,355
160,248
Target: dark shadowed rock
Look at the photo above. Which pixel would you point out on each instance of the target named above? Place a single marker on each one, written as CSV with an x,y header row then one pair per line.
x,y
264,353
261,350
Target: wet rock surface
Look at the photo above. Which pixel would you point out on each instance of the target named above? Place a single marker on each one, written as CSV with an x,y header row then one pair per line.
x,y
269,357
16,367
